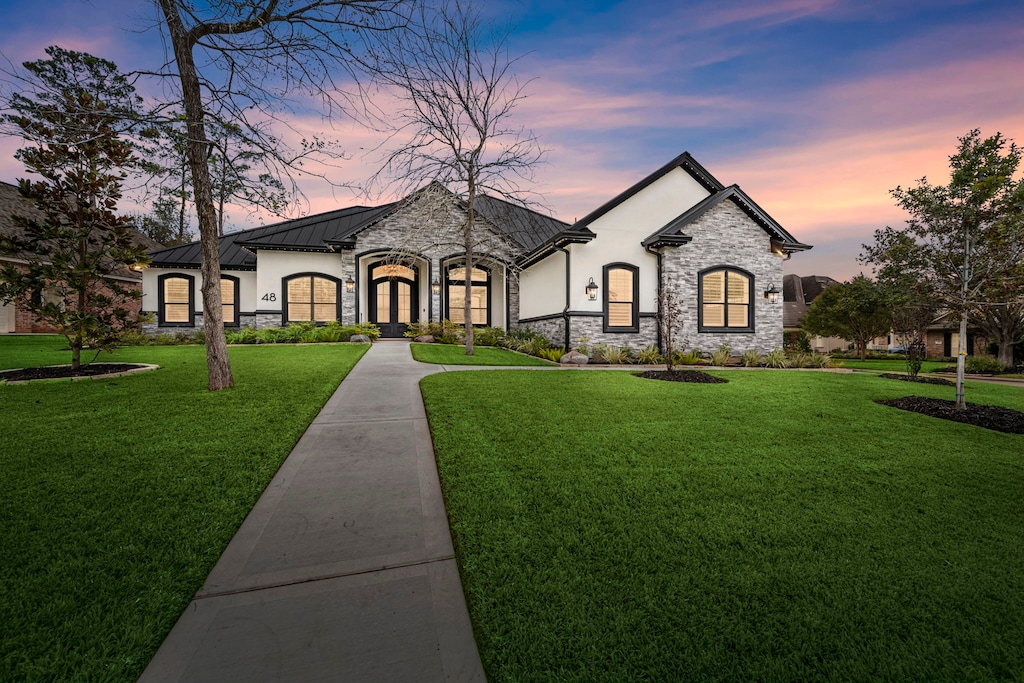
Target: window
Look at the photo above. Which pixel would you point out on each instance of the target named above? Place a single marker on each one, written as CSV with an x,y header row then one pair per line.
x,y
480,295
726,301
176,300
621,309
229,300
310,298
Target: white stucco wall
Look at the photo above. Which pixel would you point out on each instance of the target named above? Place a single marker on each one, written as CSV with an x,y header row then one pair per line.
x,y
276,265
619,233
246,287
542,287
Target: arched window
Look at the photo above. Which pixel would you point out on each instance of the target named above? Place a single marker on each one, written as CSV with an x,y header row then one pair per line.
x,y
621,304
480,296
229,300
176,300
311,297
726,300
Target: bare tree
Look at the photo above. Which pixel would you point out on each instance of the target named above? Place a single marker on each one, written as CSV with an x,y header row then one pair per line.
x,y
255,56
453,75
670,319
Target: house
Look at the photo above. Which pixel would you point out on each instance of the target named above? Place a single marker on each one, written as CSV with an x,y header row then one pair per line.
x,y
14,318
798,293
679,229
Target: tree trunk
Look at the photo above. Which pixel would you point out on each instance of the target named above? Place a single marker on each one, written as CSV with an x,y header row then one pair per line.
x,y
217,362
467,240
961,361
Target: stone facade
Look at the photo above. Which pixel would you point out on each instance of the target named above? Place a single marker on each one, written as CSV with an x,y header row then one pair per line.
x,y
725,236
591,327
553,329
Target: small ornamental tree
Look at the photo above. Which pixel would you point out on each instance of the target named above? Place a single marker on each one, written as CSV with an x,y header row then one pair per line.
x,y
670,319
858,310
73,242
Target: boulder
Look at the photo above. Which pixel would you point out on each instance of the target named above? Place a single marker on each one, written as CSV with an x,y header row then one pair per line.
x,y
574,358
360,339
424,339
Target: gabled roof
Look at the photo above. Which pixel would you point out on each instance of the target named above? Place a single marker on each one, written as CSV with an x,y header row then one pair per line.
x,y
672,232
797,295
332,230
683,161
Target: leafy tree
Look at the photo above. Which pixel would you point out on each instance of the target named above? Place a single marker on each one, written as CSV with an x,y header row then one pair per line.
x,y
162,223
72,118
237,63
964,242
858,310
453,75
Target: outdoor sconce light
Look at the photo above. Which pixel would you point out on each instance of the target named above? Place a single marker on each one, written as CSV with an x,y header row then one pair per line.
x,y
435,286
772,294
592,290
350,285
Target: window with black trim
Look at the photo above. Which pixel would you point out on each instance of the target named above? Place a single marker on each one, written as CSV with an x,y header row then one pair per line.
x,y
229,300
311,297
480,295
621,305
176,304
726,300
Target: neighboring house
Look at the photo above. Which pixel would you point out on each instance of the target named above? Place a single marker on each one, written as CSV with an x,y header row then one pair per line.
x,y
798,293
14,318
598,278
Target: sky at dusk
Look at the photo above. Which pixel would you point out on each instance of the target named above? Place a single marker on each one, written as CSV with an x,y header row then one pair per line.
x,y
816,108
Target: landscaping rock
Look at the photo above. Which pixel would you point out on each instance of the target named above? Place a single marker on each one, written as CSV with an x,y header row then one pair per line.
x,y
424,339
360,339
574,358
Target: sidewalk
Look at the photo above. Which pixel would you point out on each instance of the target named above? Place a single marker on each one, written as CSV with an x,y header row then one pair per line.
x,y
344,570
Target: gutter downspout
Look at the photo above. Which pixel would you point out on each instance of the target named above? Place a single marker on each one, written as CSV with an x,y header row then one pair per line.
x,y
565,311
657,328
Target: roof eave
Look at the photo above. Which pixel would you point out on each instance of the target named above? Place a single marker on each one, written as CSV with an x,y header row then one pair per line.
x,y
550,246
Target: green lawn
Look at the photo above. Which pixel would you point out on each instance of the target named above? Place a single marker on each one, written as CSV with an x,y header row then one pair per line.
x,y
890,365
119,495
449,354
782,527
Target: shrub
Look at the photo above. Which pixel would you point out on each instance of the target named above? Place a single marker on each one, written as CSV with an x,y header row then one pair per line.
x,y
331,332
776,358
797,340
820,360
583,346
368,329
982,364
692,357
721,356
198,338
649,356
751,358
799,359
133,338
488,336
554,354
616,355
164,339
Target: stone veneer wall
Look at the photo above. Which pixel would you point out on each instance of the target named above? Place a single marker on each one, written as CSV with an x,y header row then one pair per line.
x,y
725,236
592,326
430,228
553,329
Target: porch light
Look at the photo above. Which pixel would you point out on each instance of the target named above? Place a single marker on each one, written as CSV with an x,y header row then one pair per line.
x,y
435,286
592,290
772,294
350,285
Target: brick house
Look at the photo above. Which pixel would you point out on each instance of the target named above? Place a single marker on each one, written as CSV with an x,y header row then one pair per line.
x,y
597,278
15,319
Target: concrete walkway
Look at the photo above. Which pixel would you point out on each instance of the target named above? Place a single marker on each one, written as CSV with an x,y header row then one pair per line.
x,y
344,570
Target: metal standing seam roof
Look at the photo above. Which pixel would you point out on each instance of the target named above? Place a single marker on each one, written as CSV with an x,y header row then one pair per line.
x,y
320,232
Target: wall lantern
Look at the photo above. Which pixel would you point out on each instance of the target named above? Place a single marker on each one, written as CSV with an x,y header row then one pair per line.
x,y
350,285
592,290
435,286
772,294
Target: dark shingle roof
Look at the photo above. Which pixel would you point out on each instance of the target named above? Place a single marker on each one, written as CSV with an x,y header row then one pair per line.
x,y
12,203
797,295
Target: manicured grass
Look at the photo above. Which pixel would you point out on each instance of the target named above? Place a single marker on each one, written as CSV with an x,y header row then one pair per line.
x,y
782,527
449,354
119,495
890,365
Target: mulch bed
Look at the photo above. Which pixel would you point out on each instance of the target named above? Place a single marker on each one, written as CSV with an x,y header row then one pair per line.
x,y
990,417
919,379
682,376
64,371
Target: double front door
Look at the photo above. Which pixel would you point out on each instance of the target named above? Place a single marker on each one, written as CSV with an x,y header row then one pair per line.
x,y
394,298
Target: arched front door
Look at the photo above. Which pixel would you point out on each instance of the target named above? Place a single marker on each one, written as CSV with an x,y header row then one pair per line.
x,y
394,297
